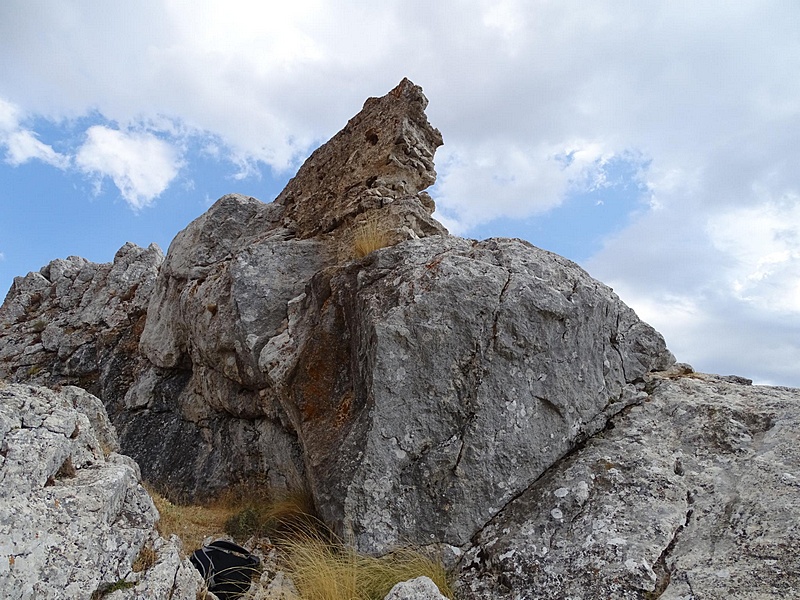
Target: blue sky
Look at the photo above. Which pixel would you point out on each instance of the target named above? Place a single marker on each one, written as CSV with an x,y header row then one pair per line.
x,y
656,144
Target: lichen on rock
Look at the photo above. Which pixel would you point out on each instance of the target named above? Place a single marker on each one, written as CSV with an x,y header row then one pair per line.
x,y
73,513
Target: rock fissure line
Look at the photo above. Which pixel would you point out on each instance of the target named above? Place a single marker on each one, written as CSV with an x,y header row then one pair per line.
x,y
660,568
496,316
615,340
555,466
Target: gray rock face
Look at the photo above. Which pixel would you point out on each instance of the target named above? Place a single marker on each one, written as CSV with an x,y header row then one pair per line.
x,y
77,322
695,493
73,515
221,295
437,379
230,289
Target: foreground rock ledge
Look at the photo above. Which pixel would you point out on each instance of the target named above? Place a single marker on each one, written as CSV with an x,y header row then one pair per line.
x,y
73,514
695,493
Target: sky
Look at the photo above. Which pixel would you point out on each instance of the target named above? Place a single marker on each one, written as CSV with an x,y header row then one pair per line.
x,y
656,144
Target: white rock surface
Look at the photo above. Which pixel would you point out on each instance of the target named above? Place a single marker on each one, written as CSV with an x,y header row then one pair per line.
x,y
694,494
72,519
421,588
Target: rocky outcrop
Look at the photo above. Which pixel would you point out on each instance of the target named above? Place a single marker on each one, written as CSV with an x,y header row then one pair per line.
x,y
488,399
692,494
76,322
74,517
227,292
415,391
468,366
436,380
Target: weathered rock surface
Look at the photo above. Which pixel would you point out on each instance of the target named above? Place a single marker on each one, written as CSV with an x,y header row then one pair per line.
x,y
379,163
437,379
76,322
73,514
421,588
695,493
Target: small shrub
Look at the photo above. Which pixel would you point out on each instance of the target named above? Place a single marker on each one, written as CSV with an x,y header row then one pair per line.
x,y
275,516
38,326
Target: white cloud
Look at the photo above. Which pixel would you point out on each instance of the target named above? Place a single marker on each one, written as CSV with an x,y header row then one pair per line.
x,y
21,144
140,164
500,178
707,95
764,244
9,117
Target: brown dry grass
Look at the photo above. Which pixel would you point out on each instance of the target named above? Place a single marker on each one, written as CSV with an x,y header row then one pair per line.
x,y
325,570
241,511
147,558
370,235
191,523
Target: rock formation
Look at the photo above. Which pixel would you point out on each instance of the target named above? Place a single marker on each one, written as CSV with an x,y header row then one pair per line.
x,y
487,399
78,323
695,493
74,517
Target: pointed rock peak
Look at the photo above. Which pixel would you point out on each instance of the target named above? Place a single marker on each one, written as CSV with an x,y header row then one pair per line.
x,y
376,169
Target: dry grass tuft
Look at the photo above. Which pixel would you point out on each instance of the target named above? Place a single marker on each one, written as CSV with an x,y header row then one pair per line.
x,y
192,523
322,570
241,511
146,559
370,235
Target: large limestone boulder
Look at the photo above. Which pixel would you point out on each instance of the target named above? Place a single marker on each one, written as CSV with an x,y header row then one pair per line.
x,y
74,517
207,412
436,380
694,493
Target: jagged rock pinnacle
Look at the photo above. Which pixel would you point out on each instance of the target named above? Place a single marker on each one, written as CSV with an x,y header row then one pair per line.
x,y
382,158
